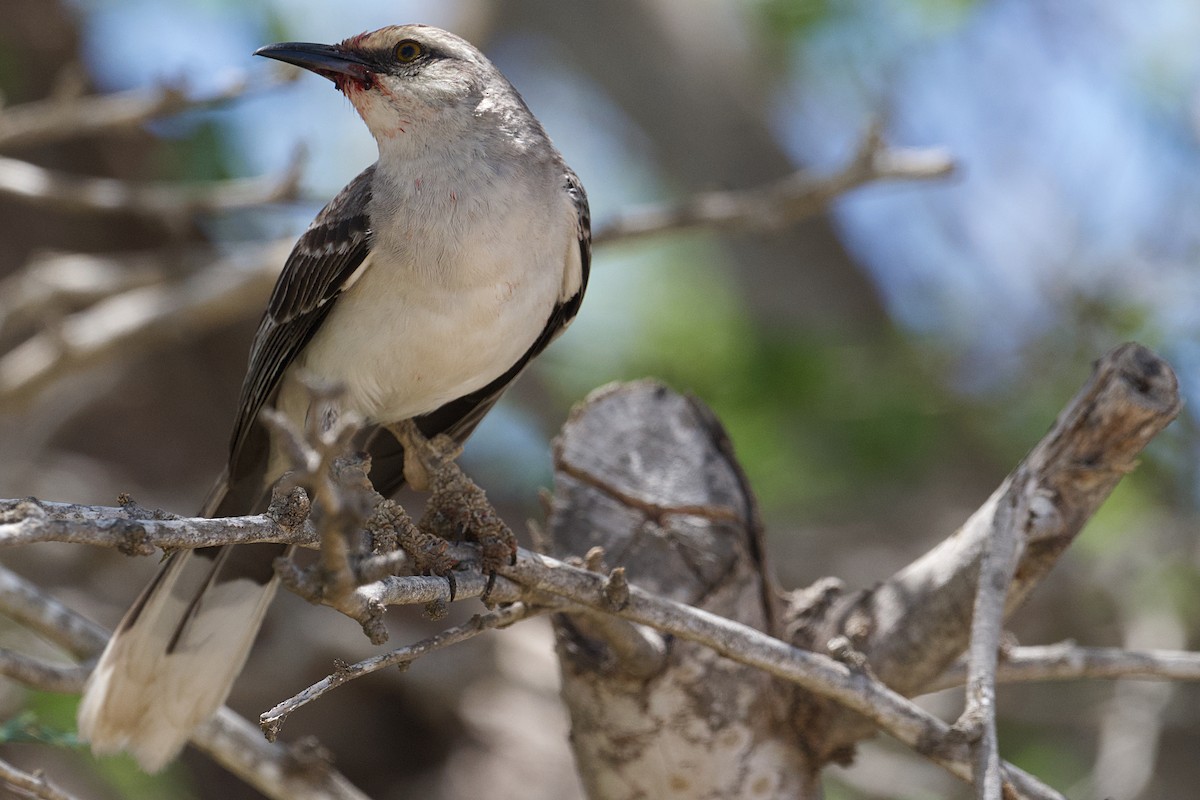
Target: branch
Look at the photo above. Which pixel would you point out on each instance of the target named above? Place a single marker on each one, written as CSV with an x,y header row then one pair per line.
x,y
1001,553
1067,661
912,626
782,203
26,604
58,119
140,319
280,772
137,531
24,784
853,688
273,720
173,202
50,285
43,675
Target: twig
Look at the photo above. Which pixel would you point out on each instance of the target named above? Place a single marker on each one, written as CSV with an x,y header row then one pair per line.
x,y
52,284
174,202
273,720
43,675
297,772
1132,721
135,531
58,119
1002,551
24,784
1067,661
139,320
781,203
28,606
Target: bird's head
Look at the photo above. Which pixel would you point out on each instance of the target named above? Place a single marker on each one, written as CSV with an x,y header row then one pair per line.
x,y
398,78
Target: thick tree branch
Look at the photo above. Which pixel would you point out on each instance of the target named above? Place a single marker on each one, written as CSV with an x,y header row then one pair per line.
x,y
853,688
917,622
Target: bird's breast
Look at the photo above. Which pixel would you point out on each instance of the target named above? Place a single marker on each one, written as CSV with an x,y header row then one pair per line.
x,y
454,293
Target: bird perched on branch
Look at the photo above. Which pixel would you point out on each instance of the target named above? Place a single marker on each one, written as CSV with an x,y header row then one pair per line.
x,y
423,288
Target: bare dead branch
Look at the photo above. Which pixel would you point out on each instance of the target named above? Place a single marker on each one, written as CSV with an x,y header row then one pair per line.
x,y
44,675
302,771
854,689
1001,552
174,202
273,720
26,604
58,119
140,319
784,202
24,784
279,772
915,624
136,531
53,284
1067,661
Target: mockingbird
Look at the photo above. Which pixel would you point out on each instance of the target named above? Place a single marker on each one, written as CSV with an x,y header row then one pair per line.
x,y
423,288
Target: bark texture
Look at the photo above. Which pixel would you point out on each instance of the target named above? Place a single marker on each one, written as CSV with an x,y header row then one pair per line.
x,y
648,475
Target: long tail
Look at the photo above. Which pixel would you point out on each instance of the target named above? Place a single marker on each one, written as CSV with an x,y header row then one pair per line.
x,y
176,653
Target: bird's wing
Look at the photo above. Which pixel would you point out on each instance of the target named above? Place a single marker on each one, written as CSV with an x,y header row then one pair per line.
x,y
315,274
459,417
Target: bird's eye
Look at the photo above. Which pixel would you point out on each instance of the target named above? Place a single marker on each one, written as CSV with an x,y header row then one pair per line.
x,y
409,51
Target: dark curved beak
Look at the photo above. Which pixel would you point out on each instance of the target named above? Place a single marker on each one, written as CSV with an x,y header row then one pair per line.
x,y
326,60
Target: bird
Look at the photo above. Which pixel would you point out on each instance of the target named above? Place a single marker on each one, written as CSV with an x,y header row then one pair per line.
x,y
422,289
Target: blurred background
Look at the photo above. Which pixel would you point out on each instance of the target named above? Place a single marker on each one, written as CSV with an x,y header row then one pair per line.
x,y
880,368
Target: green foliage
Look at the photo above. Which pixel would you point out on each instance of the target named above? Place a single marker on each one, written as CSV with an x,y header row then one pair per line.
x,y
811,420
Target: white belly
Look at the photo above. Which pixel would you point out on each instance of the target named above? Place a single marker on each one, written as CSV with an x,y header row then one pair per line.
x,y
404,344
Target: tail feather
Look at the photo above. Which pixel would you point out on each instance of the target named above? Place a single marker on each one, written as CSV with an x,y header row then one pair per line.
x,y
173,659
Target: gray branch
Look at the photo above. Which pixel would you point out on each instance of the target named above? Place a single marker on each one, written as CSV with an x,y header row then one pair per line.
x,y
279,772
173,202
1067,661
916,623
62,118
138,320
24,784
775,205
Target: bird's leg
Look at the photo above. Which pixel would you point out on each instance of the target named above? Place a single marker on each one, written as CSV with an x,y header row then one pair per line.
x,y
391,528
456,506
